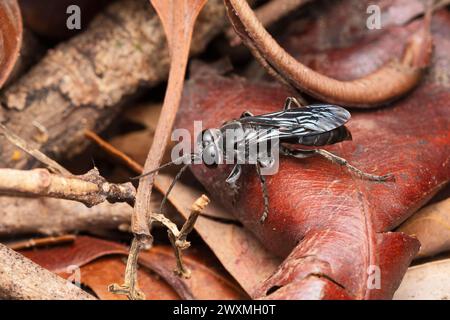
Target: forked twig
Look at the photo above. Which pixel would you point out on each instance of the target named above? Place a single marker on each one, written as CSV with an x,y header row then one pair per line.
x,y
178,238
90,188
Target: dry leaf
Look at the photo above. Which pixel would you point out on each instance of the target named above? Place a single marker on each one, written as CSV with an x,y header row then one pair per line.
x,y
10,37
103,263
431,225
178,18
340,223
428,281
98,274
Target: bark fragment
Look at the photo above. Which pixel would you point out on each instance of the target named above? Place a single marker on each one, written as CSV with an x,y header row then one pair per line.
x,y
21,278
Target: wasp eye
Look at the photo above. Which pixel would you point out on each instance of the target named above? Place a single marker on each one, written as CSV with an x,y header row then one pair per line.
x,y
205,138
211,156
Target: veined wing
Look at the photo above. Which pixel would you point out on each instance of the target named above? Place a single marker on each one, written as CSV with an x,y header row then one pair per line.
x,y
313,119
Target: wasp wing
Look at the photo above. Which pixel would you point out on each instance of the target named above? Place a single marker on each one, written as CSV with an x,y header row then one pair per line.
x,y
293,123
313,119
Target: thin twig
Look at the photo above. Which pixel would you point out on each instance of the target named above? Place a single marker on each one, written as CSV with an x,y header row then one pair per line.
x,y
178,238
133,165
178,19
22,144
41,242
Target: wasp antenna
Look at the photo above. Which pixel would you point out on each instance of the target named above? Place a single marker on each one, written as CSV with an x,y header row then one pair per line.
x,y
163,166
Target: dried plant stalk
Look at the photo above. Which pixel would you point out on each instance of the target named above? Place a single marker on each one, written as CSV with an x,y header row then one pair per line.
x,y
386,84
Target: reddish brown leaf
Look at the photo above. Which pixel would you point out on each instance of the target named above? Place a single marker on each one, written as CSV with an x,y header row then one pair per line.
x,y
101,264
340,223
10,37
98,274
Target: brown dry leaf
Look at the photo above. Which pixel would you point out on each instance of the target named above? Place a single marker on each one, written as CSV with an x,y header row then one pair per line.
x,y
10,37
237,249
428,281
101,263
431,225
98,274
205,282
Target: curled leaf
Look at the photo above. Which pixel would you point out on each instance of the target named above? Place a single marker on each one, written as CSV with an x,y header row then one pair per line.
x,y
431,225
10,37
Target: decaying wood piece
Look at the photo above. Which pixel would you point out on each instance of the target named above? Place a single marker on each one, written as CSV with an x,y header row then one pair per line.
x,y
21,278
50,216
80,84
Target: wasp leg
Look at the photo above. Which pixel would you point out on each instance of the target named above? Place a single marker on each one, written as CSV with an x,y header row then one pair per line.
x,y
289,101
262,179
234,175
246,114
174,181
299,153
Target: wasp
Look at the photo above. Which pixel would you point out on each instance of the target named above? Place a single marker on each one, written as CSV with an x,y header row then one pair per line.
x,y
296,131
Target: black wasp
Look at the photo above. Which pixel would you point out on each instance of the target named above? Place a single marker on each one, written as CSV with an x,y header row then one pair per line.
x,y
255,137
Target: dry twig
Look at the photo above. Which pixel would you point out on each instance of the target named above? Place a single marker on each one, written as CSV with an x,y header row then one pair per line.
x,y
40,242
178,19
90,189
178,238
48,216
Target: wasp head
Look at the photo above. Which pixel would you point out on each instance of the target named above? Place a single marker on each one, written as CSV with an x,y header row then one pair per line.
x,y
209,143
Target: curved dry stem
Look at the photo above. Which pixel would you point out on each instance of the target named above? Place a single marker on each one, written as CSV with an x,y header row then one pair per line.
x,y
386,84
270,13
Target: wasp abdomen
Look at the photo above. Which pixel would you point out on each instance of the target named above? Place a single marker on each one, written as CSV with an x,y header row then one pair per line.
x,y
322,139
